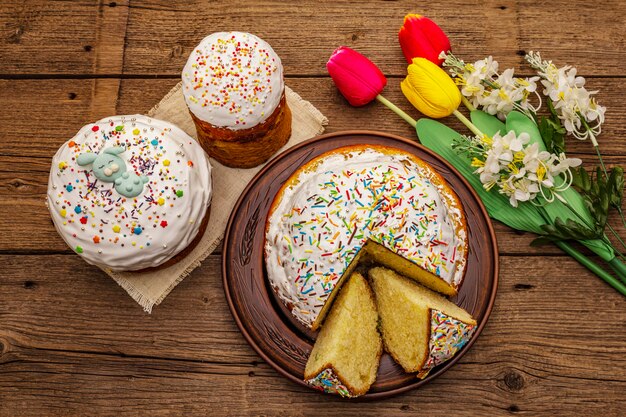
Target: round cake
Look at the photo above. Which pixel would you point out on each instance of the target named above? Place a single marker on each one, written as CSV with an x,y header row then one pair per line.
x,y
129,193
379,202
233,85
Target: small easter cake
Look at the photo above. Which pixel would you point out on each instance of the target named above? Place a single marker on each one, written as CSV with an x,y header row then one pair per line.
x,y
378,202
234,89
130,193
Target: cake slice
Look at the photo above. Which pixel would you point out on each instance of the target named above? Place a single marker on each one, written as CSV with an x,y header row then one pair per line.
x,y
420,328
346,354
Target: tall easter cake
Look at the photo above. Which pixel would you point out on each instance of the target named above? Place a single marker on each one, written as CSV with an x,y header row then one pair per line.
x,y
234,89
129,193
379,202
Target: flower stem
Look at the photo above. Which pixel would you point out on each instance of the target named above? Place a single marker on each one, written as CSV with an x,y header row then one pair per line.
x,y
593,267
597,148
591,227
619,268
467,103
616,235
621,215
397,110
469,124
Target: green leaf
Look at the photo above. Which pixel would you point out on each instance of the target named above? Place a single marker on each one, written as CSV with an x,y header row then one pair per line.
x,y
581,179
615,187
487,123
520,123
439,138
542,241
553,134
568,230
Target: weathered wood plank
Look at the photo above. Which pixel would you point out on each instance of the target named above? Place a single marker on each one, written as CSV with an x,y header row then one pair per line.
x,y
46,113
161,34
47,37
111,26
69,332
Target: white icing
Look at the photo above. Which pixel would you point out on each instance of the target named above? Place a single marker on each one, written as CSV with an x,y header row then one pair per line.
x,y
166,222
321,224
233,80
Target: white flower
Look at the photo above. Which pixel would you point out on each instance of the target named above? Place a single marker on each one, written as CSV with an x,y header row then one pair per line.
x,y
563,164
486,68
579,113
519,169
497,94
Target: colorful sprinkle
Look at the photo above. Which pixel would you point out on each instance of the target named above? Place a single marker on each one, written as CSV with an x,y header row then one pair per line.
x,y
166,162
78,209
79,249
116,228
137,230
350,201
179,193
447,336
330,383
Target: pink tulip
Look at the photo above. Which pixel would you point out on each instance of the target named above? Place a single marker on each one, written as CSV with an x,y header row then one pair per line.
x,y
356,77
421,37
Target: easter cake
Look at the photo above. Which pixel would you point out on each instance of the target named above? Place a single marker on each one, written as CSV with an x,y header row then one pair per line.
x,y
347,351
234,89
376,202
130,193
420,328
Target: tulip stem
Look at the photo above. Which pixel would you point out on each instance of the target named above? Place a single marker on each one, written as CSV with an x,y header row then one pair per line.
x,y
469,124
397,110
467,103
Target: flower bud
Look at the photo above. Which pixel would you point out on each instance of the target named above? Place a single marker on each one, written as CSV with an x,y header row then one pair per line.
x,y
421,37
356,77
430,89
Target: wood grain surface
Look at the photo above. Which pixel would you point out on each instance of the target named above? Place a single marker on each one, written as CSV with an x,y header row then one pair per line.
x,y
73,343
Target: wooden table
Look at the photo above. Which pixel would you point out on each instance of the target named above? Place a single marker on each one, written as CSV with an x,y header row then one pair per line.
x,y
73,342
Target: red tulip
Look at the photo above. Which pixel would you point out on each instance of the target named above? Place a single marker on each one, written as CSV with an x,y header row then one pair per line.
x,y
356,77
421,37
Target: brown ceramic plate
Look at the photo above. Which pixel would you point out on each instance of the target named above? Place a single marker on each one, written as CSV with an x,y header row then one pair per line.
x,y
271,330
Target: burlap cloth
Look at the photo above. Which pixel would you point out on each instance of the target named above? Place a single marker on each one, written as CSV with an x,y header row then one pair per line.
x,y
150,288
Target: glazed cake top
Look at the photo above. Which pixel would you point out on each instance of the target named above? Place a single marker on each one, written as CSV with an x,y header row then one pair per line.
x,y
233,80
129,192
326,212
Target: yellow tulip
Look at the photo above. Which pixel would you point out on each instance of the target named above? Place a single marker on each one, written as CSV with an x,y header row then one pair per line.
x,y
430,89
